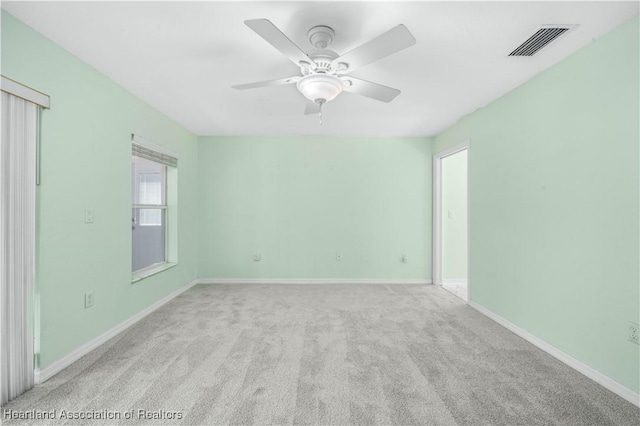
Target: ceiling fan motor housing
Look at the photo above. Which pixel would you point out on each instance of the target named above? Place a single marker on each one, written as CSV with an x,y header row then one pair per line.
x,y
322,62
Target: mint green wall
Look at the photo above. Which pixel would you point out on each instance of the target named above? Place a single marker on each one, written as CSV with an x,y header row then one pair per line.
x,y
454,216
86,162
554,207
299,201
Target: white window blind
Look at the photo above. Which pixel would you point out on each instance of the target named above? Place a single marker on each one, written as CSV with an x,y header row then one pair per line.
x,y
150,188
153,155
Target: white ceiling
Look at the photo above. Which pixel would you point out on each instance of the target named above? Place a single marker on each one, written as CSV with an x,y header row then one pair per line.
x,y
183,57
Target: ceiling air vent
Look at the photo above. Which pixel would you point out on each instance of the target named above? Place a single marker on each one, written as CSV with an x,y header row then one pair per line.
x,y
540,39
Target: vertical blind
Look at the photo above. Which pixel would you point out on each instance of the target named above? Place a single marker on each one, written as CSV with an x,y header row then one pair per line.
x,y
17,243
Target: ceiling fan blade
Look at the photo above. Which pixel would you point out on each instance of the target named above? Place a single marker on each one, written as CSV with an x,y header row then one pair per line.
x,y
265,29
394,40
370,90
312,108
277,82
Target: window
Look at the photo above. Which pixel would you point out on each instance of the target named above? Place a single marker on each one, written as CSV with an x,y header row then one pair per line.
x,y
151,191
151,213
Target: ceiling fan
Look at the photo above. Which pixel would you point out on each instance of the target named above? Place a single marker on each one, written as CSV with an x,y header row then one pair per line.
x,y
324,73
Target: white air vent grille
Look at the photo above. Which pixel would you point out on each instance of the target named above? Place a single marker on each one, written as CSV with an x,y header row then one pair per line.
x,y
539,40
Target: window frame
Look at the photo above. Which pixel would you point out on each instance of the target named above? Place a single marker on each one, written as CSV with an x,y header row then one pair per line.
x,y
165,208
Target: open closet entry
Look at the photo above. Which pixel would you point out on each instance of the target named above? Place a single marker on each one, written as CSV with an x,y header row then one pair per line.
x,y
450,220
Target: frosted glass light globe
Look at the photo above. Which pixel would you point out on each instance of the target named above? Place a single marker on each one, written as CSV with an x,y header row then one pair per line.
x,y
320,88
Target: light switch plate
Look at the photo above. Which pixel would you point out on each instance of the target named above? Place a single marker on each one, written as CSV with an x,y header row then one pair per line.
x,y
89,215
88,300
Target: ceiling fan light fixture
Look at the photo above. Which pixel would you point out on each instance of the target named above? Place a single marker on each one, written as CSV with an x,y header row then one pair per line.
x,y
320,88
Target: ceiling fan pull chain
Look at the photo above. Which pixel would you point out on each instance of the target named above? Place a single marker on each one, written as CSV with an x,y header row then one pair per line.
x,y
320,113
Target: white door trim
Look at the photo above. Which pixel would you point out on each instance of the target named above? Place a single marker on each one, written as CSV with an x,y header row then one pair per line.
x,y
437,212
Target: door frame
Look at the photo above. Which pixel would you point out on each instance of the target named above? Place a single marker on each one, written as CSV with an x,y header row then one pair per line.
x,y
437,212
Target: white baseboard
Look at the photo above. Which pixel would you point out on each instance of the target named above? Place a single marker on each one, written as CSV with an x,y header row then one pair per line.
x,y
579,366
454,281
310,281
41,375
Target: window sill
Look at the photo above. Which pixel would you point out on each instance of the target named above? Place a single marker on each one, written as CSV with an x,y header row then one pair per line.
x,y
152,270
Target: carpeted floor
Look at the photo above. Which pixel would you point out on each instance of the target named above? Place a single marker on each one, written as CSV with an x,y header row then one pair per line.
x,y
459,289
324,354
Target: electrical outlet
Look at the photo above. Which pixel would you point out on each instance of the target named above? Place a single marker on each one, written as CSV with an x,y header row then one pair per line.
x,y
88,300
338,257
257,257
632,332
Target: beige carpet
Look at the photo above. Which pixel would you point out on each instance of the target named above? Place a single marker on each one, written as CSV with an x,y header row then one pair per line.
x,y
323,354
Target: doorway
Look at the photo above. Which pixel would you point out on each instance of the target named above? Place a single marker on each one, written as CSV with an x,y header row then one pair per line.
x,y
451,219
